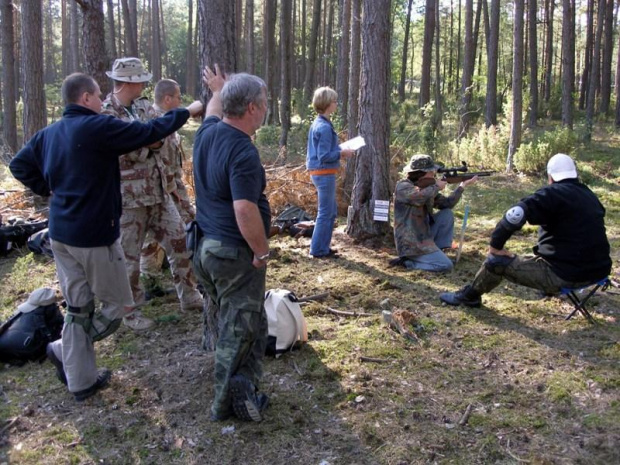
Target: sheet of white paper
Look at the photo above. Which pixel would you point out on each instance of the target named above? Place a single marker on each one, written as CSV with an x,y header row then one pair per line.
x,y
353,144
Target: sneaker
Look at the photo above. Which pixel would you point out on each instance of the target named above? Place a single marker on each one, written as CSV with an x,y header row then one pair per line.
x,y
138,322
466,296
103,379
331,254
246,404
60,369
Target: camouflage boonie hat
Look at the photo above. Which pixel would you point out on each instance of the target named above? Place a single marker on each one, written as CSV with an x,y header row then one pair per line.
x,y
129,70
421,162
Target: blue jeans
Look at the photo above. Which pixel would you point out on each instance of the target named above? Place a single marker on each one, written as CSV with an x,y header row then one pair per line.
x,y
442,230
326,216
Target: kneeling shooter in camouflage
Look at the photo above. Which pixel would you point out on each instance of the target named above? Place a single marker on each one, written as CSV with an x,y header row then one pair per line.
x,y
572,249
233,214
75,161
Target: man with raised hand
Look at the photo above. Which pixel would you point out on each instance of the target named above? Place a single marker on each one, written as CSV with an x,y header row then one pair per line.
x,y
234,217
75,161
572,249
147,207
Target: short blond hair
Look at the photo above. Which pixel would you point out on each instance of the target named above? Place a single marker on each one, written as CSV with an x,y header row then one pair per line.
x,y
323,97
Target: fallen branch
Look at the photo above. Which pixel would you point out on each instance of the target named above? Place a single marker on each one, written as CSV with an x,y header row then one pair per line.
x,y
514,456
315,298
8,426
373,360
343,313
465,418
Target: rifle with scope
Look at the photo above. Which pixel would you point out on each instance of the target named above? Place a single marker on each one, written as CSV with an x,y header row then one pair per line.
x,y
460,174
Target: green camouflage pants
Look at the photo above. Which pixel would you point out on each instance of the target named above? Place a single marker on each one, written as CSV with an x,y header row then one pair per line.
x,y
529,271
238,288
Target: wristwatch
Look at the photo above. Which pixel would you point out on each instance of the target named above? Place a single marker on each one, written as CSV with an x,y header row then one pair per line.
x,y
262,258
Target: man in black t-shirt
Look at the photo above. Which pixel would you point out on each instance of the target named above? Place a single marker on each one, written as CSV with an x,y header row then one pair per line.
x,y
572,249
234,216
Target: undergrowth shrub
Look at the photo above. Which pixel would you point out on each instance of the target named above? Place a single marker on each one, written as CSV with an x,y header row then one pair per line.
x,y
532,157
485,149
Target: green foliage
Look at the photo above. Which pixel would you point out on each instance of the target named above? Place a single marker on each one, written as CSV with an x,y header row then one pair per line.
x,y
487,148
532,157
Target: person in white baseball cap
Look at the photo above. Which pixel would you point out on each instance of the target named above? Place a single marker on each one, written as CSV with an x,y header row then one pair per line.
x,y
560,167
572,249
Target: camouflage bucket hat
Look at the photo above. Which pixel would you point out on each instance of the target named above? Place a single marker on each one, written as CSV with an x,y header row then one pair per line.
x,y
129,70
421,162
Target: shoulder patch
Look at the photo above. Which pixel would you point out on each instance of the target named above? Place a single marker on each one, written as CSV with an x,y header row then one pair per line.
x,y
515,215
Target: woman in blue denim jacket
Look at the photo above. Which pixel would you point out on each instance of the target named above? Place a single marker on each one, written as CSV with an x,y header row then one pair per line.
x,y
323,162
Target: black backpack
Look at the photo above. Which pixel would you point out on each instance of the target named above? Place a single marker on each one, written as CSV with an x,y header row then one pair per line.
x,y
24,336
14,234
290,217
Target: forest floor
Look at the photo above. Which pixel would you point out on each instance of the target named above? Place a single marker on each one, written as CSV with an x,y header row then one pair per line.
x,y
511,382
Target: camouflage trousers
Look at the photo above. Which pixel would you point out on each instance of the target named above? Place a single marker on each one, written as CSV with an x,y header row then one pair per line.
x,y
238,288
153,255
529,271
162,220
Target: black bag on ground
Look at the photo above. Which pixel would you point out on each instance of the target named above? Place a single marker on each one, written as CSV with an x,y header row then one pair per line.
x,y
290,220
40,243
25,335
17,234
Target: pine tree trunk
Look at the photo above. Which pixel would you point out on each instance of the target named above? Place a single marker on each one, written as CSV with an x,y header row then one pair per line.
x,y
111,28
595,74
155,41
131,32
249,36
9,120
312,48
533,44
568,63
469,54
48,45
35,117
492,62
93,34
190,81
437,118
585,75
427,52
549,50
607,48
403,69
372,161
286,47
269,21
342,64
517,85
75,38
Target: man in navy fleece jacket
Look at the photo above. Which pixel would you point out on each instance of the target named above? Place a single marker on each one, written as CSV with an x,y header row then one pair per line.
x,y
75,161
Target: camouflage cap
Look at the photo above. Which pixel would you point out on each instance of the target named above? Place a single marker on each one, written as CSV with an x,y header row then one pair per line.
x,y
421,162
129,70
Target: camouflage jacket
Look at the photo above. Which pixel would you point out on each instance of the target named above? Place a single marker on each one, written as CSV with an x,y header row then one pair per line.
x,y
171,154
413,209
143,172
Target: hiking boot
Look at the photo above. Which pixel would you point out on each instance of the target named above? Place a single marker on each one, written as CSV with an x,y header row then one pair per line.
x,y
221,416
466,296
246,404
331,254
138,322
60,369
103,379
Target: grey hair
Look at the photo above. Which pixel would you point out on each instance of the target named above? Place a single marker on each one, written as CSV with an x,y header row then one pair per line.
x,y
75,85
239,91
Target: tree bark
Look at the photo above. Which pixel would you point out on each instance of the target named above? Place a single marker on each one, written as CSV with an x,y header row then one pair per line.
x,y
311,66
111,28
617,85
533,45
550,5
372,161
595,74
155,41
492,62
403,69
517,85
343,60
131,33
216,23
286,45
75,38
469,54
9,126
48,44
607,48
568,63
35,117
93,34
427,52
585,75
269,21
437,118
249,36
190,81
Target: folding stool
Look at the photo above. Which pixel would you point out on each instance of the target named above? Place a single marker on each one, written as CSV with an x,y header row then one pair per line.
x,y
580,304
